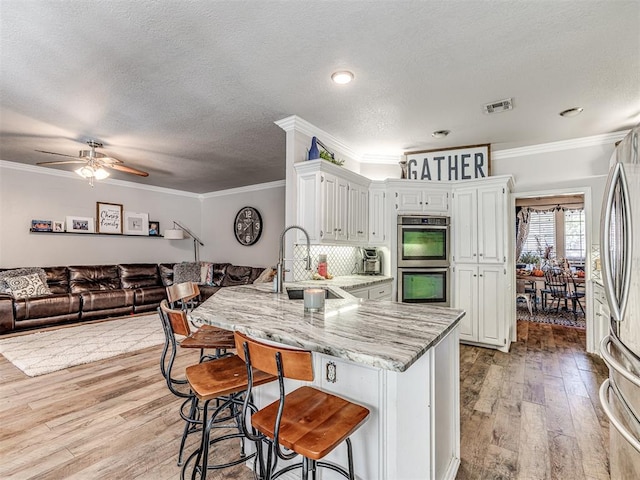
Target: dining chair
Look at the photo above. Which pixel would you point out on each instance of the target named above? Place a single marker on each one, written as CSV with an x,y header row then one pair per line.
x,y
522,294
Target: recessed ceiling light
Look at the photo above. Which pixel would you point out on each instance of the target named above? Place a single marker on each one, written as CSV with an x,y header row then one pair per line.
x,y
440,133
571,112
342,77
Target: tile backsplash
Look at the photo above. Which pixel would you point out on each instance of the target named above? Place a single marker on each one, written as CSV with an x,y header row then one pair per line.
x,y
341,260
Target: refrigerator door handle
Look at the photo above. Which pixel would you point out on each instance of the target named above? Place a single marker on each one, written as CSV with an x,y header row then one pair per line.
x,y
613,363
618,305
628,436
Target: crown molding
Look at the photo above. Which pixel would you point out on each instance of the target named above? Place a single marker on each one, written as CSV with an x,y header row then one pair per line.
x,y
120,183
295,123
382,159
593,141
249,188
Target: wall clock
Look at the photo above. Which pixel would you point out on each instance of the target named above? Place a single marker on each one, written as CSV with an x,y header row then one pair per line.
x,y
248,226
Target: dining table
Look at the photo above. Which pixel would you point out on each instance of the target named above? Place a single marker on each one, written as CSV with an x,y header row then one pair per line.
x,y
538,284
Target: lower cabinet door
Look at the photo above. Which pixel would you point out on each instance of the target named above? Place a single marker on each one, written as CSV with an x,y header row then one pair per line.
x,y
491,305
466,298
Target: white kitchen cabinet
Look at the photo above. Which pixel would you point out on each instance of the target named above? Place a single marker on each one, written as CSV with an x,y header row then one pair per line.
x,y
480,292
332,203
377,215
379,291
358,213
478,224
422,199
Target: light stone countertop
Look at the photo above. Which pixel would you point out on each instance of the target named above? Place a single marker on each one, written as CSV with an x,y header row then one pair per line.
x,y
377,333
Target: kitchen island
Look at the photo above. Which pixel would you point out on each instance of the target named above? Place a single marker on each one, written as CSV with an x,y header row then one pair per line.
x,y
399,360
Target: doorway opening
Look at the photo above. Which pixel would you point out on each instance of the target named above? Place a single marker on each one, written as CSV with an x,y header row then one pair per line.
x,y
553,254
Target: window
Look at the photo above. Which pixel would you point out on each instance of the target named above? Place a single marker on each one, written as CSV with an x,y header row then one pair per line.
x,y
574,241
542,225
564,230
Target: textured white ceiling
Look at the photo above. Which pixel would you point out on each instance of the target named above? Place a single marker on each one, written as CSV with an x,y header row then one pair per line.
x,y
189,91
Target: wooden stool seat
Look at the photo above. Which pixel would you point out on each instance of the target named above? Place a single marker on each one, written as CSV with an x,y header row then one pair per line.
x,y
224,376
313,422
206,337
211,337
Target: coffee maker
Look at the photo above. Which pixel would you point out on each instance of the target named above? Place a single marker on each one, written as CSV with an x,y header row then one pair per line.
x,y
371,261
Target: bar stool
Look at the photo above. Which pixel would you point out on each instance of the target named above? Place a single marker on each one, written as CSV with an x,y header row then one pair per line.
x,y
225,381
185,295
174,322
307,421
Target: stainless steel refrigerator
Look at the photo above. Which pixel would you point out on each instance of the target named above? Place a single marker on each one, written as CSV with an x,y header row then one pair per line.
x,y
620,257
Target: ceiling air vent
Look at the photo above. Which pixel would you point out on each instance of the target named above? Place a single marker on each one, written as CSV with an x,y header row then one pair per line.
x,y
499,106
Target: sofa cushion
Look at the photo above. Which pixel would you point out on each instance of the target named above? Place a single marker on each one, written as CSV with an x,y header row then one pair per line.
x,y
27,286
106,299
186,272
20,272
166,273
137,275
218,271
48,306
57,279
149,295
240,275
87,278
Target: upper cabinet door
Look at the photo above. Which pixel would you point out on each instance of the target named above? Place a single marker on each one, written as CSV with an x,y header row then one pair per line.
x,y
377,212
465,226
491,224
329,195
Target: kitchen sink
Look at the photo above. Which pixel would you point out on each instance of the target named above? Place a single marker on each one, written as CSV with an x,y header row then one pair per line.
x,y
297,294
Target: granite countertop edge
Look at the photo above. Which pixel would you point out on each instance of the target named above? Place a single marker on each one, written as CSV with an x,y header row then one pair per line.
x,y
362,331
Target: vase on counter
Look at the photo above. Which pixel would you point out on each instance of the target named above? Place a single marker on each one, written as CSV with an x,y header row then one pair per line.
x,y
313,151
404,169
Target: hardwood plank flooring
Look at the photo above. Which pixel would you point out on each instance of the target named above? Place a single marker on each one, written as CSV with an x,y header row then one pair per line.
x,y
530,414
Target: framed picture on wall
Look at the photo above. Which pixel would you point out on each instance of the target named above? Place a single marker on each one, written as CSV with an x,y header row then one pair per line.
x,y
58,226
80,224
136,223
41,226
109,217
154,228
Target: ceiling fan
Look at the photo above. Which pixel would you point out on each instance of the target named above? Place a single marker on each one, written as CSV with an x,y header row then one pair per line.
x,y
94,163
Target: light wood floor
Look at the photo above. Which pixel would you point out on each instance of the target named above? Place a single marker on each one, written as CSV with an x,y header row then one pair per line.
x,y
530,414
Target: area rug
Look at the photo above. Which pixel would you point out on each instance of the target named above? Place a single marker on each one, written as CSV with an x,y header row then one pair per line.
x,y
563,317
45,352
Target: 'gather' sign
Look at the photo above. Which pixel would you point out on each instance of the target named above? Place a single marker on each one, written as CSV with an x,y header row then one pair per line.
x,y
449,164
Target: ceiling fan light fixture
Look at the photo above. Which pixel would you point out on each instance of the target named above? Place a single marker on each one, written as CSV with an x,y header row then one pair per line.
x,y
100,174
342,78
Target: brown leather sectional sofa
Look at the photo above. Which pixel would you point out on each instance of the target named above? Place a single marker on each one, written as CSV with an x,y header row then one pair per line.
x,y
89,292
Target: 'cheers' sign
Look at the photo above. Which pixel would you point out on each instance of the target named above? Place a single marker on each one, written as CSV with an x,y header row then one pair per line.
x,y
449,164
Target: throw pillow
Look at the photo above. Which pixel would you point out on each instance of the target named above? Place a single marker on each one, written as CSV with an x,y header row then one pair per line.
x,y
266,276
27,286
166,274
206,273
186,272
20,272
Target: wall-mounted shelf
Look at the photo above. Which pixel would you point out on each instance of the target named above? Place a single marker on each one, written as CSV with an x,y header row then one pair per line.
x,y
100,234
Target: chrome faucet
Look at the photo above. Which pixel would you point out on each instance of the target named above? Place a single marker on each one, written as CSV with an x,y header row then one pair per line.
x,y
279,279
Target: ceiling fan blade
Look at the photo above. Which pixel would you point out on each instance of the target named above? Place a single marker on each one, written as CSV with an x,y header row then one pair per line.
x,y
55,153
61,162
125,169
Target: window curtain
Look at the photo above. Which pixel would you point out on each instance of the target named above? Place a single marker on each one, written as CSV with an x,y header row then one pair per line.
x,y
522,230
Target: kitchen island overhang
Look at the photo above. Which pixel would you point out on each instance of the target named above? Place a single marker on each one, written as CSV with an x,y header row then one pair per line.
x,y
399,360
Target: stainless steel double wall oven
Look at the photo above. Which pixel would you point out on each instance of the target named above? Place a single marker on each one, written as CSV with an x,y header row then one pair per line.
x,y
423,259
